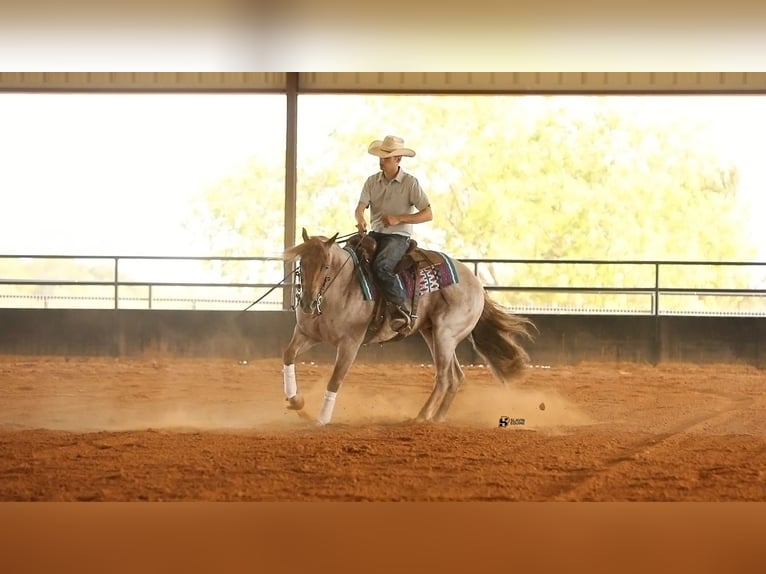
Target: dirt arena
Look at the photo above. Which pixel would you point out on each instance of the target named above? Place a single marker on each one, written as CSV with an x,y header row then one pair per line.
x,y
108,429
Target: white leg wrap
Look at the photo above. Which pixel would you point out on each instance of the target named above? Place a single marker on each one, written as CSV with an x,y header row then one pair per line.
x,y
325,414
288,374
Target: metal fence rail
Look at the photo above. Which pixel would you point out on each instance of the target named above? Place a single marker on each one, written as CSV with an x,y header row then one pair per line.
x,y
525,285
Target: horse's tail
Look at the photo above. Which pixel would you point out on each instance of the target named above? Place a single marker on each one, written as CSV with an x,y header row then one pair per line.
x,y
495,339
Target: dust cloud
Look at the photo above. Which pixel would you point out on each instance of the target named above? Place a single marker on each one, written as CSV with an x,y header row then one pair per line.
x,y
388,394
93,394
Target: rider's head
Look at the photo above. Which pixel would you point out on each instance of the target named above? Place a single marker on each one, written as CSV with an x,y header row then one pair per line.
x,y
390,151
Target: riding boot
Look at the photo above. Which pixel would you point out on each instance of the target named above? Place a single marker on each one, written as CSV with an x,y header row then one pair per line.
x,y
400,321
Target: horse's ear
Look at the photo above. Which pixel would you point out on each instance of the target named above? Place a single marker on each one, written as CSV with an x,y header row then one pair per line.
x,y
331,240
305,235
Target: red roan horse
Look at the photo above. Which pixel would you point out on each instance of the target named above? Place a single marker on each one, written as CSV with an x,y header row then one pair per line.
x,y
333,309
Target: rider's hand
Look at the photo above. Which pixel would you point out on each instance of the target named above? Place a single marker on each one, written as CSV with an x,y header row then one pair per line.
x,y
390,220
361,226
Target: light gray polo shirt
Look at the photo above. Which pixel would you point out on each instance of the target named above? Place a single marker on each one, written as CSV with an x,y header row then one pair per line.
x,y
395,197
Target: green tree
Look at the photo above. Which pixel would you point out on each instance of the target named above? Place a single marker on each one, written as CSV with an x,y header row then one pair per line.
x,y
565,177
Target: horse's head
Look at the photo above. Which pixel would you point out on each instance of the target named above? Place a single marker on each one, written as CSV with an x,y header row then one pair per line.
x,y
316,271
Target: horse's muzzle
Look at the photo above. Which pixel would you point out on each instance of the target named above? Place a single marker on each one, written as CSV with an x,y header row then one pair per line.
x,y
312,307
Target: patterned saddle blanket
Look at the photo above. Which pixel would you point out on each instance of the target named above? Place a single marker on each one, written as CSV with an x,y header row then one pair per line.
x,y
420,271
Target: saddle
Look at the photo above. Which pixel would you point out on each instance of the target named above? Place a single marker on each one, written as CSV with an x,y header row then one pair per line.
x,y
413,261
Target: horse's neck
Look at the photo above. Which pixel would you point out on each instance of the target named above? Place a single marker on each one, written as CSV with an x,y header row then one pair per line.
x,y
342,264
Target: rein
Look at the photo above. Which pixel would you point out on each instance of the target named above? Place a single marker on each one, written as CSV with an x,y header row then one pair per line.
x,y
346,237
326,283
325,286
293,272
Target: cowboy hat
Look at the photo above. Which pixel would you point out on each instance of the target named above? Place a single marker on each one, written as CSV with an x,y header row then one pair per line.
x,y
390,146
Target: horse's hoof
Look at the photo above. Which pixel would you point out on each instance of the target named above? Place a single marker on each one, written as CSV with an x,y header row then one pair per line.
x,y
295,403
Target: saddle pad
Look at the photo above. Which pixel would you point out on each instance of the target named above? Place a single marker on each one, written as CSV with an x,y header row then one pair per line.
x,y
368,289
430,278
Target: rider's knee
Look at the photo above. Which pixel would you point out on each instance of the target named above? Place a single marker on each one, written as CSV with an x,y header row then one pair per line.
x,y
383,265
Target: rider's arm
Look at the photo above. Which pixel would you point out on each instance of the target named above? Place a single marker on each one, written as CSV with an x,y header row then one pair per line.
x,y
361,224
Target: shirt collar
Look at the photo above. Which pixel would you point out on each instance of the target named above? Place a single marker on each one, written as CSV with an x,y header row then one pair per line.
x,y
398,177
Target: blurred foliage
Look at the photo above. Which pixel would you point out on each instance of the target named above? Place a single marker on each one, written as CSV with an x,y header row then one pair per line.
x,y
509,177
530,177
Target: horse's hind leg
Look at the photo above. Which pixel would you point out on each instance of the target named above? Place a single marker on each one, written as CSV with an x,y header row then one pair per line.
x,y
454,384
447,377
446,385
456,372
427,409
298,344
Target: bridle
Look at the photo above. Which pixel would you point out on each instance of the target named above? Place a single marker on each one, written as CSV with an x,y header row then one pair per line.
x,y
316,305
297,274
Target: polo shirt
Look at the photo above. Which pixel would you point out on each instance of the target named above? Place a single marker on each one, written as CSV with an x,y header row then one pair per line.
x,y
397,196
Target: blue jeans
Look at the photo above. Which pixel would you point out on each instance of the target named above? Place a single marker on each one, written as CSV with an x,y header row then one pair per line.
x,y
391,249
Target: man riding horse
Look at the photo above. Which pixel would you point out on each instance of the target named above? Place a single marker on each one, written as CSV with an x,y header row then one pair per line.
x,y
396,202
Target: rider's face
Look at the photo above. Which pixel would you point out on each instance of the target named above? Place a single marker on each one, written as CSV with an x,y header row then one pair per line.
x,y
389,166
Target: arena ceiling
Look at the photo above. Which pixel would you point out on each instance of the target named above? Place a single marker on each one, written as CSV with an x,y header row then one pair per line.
x,y
392,82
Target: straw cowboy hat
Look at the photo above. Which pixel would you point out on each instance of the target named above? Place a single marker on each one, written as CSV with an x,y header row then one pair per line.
x,y
390,146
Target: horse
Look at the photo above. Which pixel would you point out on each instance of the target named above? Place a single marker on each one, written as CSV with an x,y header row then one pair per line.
x,y
331,308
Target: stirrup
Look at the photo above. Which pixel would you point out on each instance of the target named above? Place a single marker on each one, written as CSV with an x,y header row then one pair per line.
x,y
402,320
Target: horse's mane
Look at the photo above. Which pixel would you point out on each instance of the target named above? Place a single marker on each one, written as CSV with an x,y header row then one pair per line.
x,y
295,251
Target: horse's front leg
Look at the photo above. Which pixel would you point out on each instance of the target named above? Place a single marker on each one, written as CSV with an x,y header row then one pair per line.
x,y
345,355
299,343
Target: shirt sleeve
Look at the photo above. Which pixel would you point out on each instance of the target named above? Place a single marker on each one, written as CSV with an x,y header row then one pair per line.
x,y
366,195
418,197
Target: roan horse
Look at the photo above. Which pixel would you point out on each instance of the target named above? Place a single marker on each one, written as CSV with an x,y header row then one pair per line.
x,y
331,308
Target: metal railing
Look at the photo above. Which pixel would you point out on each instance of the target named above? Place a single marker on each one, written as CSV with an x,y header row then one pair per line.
x,y
611,287
643,279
